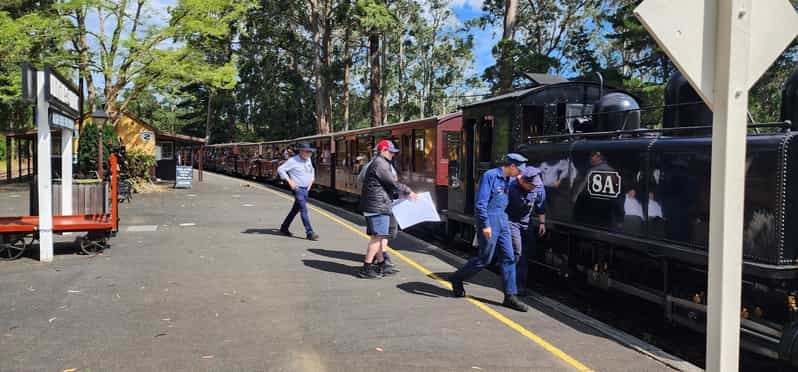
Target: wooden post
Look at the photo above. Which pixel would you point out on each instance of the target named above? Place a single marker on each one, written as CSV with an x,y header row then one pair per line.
x,y
19,159
201,158
30,152
100,155
8,159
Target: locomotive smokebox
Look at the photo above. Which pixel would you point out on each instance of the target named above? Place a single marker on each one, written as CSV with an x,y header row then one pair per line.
x,y
683,106
617,111
789,100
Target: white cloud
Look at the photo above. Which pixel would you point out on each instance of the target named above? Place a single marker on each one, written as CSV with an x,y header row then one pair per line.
x,y
473,4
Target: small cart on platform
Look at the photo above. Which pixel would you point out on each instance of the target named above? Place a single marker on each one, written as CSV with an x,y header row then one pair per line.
x,y
17,234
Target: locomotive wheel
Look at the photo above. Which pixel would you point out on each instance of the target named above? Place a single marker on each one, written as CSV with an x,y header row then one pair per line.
x,y
92,245
13,246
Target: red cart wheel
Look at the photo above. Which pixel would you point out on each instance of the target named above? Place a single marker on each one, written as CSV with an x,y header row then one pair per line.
x,y
14,245
92,244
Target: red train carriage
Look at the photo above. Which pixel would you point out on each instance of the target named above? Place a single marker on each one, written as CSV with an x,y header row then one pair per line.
x,y
422,163
427,146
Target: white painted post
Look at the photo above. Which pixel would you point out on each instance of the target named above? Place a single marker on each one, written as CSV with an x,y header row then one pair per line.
x,y
66,172
729,129
44,189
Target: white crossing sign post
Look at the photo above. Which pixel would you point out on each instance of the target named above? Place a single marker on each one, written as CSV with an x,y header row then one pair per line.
x,y
722,47
56,106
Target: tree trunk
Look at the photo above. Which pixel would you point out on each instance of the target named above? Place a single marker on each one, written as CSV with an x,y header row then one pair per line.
x,y
376,95
401,78
83,47
347,66
383,77
506,65
318,15
208,118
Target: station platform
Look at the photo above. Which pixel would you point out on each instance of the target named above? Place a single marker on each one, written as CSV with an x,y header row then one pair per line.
x,y
200,279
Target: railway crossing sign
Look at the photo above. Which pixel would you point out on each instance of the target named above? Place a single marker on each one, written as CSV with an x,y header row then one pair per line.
x,y
722,47
686,30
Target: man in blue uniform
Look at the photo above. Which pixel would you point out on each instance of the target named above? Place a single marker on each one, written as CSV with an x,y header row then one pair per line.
x,y
493,229
527,195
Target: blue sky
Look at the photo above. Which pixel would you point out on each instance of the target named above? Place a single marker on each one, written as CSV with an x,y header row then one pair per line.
x,y
484,40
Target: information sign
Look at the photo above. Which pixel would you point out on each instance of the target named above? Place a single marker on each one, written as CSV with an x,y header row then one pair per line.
x,y
183,176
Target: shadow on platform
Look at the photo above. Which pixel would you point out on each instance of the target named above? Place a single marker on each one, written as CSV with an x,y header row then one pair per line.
x,y
332,267
341,255
271,231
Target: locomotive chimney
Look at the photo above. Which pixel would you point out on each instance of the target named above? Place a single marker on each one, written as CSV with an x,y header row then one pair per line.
x,y
683,106
789,100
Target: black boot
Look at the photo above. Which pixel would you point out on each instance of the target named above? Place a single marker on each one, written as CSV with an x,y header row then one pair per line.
x,y
389,263
457,287
388,268
369,271
514,303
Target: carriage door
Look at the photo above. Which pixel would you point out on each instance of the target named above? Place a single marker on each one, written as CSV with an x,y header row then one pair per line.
x,y
461,179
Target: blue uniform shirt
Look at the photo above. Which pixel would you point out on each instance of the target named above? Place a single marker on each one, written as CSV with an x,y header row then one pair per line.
x,y
492,196
522,202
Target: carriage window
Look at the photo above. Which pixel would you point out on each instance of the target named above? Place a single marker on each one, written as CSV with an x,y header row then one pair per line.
x,y
485,140
532,122
452,145
423,141
326,153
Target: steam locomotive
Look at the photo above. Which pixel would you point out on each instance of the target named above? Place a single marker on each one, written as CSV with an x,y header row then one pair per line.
x,y
627,206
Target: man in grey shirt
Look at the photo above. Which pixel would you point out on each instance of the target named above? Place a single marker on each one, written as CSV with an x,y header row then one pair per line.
x,y
299,173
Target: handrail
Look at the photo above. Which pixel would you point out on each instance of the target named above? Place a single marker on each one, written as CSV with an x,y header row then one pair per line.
x,y
114,190
785,125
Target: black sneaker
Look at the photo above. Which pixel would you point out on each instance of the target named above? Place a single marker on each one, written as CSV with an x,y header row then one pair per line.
x,y
390,268
369,271
286,232
514,303
457,287
313,236
386,268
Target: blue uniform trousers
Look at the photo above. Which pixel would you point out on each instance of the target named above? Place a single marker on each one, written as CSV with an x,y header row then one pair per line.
x,y
524,238
301,207
500,228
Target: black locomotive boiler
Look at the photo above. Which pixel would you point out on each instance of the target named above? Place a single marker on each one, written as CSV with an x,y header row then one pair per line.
x,y
628,207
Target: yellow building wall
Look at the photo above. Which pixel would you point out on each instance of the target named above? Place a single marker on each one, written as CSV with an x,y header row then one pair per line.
x,y
130,131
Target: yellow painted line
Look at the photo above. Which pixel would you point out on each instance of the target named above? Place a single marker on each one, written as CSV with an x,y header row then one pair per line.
x,y
507,321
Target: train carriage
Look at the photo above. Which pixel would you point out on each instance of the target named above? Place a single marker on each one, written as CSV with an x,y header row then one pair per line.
x,y
422,162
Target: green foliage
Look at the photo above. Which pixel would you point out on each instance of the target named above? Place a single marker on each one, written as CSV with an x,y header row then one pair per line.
x,y
88,146
139,164
374,16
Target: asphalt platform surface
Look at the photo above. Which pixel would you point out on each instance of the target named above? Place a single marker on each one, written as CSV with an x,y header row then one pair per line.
x,y
199,280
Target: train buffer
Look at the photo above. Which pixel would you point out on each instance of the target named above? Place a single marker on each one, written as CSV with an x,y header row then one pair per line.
x,y
201,279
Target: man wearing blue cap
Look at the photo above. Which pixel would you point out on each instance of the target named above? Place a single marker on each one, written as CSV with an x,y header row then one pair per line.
x,y
493,229
299,173
527,195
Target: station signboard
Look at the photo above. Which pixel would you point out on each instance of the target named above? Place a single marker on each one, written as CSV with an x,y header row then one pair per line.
x,y
61,94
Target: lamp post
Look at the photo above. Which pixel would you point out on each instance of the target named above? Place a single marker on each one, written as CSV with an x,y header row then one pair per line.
x,y
99,117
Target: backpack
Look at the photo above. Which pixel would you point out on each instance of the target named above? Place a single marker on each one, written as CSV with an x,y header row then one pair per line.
x,y
361,177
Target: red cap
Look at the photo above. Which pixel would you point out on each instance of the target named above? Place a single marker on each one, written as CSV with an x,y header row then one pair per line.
x,y
386,145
